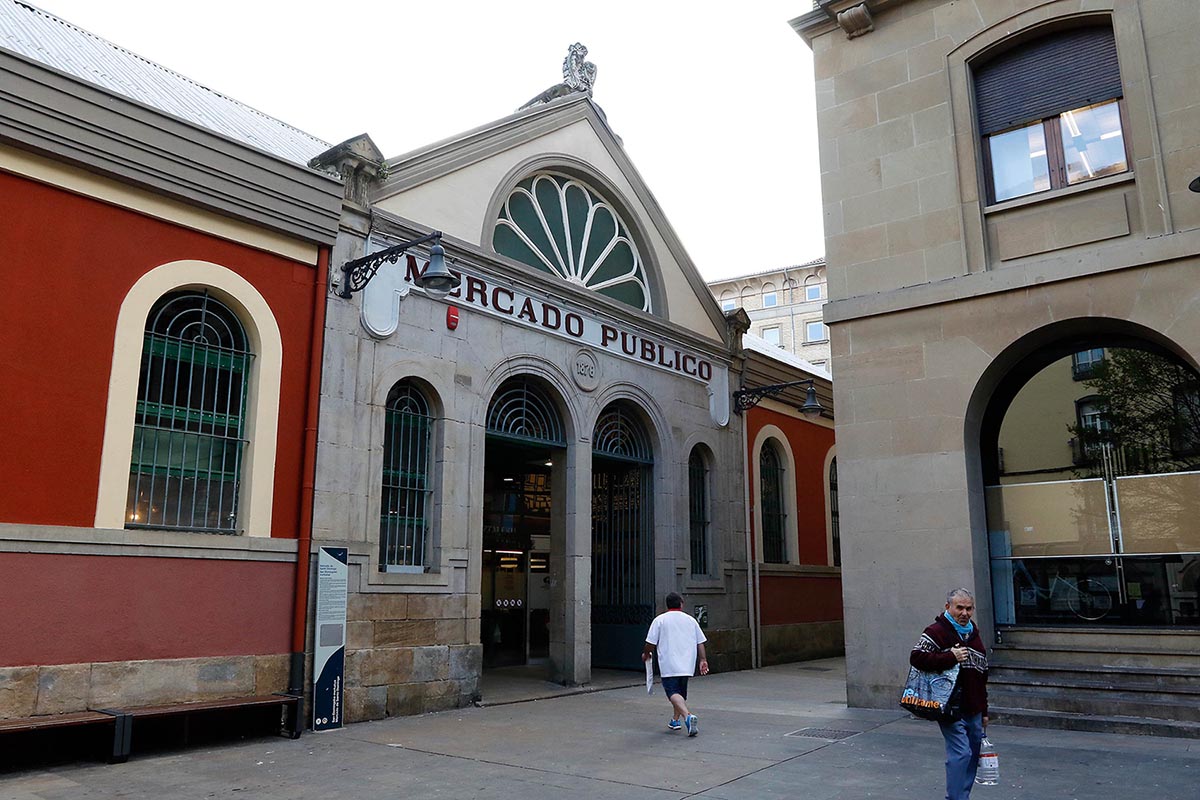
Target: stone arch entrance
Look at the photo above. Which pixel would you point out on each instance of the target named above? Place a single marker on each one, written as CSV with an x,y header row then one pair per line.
x,y
522,522
1089,469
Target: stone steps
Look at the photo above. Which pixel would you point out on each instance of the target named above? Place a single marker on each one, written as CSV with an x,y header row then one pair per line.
x,y
1099,723
1142,681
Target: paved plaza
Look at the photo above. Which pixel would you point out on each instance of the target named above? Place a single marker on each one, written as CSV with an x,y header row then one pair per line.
x,y
614,745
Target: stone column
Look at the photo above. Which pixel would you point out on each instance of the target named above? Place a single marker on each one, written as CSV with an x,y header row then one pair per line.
x,y
571,566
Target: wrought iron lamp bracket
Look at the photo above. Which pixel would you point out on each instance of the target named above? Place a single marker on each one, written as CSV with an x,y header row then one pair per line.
x,y
358,272
745,399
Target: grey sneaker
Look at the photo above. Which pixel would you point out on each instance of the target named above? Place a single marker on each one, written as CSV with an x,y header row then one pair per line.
x,y
692,724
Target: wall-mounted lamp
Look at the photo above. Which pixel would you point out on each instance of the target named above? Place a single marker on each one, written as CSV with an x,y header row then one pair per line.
x,y
1195,184
435,279
745,399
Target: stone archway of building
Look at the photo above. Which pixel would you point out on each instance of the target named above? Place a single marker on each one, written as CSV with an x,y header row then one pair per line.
x,y
1086,464
622,536
523,526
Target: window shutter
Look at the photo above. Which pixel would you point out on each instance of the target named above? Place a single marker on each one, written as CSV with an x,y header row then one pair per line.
x,y
1047,76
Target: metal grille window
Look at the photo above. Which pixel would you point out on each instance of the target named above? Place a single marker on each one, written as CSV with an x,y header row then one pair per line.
x,y
835,527
774,516
698,511
405,502
523,412
189,428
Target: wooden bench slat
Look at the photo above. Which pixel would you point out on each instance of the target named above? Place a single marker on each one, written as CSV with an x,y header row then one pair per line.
x,y
53,721
210,705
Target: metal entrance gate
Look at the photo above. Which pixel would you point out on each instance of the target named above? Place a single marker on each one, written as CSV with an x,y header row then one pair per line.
x,y
622,539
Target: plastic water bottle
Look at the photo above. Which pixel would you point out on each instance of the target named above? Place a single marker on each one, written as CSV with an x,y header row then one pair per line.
x,y
988,773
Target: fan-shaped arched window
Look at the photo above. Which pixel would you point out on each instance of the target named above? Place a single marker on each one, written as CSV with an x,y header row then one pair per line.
x,y
619,434
523,411
189,427
405,502
774,514
555,223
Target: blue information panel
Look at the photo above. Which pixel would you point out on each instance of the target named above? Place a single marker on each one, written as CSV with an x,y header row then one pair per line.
x,y
329,636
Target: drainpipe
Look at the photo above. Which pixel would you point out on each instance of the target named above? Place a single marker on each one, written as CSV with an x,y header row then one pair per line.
x,y
752,607
307,487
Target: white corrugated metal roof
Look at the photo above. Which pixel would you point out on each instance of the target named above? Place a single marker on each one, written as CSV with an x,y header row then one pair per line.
x,y
762,346
43,37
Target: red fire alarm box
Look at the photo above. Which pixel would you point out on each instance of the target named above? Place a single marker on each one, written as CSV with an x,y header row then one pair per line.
x,y
451,317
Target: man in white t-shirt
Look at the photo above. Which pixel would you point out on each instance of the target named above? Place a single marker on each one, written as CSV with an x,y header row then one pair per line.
x,y
678,640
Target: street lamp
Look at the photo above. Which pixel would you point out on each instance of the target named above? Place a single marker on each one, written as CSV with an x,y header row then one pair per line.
x,y
1195,184
744,399
436,279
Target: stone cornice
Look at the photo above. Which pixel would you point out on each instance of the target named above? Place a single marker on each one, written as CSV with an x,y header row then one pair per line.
x,y
1127,254
854,17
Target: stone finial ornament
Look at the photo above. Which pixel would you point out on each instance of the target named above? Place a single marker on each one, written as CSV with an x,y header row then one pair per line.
x,y
856,21
578,76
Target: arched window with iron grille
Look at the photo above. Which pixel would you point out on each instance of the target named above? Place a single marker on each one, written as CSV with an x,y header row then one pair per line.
x,y
522,411
774,513
698,510
405,503
189,426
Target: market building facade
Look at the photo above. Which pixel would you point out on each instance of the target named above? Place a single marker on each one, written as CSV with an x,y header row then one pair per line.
x,y
1012,248
522,469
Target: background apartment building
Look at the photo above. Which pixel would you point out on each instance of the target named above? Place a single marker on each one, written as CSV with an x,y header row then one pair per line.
x,y
784,307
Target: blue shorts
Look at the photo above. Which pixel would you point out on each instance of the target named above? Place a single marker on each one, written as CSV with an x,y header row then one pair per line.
x,y
677,685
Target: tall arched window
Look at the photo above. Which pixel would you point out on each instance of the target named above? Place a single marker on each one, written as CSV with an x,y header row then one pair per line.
x,y
774,514
698,510
834,521
405,502
189,426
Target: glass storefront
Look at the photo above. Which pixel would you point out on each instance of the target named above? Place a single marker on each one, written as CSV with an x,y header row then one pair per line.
x,y
1093,504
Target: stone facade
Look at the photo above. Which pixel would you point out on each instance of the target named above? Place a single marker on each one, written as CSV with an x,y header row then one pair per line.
x,y
937,295
414,636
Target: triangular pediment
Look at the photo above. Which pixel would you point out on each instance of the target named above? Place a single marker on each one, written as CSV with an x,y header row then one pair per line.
x,y
459,186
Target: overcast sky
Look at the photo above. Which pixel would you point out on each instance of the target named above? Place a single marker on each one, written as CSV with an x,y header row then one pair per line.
x,y
715,107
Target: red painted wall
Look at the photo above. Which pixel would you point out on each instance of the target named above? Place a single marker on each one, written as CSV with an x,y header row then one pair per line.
x,y
810,444
67,609
786,598
68,263
791,599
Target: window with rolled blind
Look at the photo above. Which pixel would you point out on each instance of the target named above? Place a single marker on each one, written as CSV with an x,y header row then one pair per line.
x,y
1050,112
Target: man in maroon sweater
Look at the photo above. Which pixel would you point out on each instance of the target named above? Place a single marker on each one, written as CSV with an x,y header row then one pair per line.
x,y
954,639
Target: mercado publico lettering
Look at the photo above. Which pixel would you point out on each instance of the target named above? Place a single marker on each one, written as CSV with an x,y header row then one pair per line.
x,y
477,293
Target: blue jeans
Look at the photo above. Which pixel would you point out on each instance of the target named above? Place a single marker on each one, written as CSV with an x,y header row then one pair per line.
x,y
963,740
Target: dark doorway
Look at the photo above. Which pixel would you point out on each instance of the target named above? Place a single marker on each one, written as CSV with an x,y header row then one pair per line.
x,y
515,581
